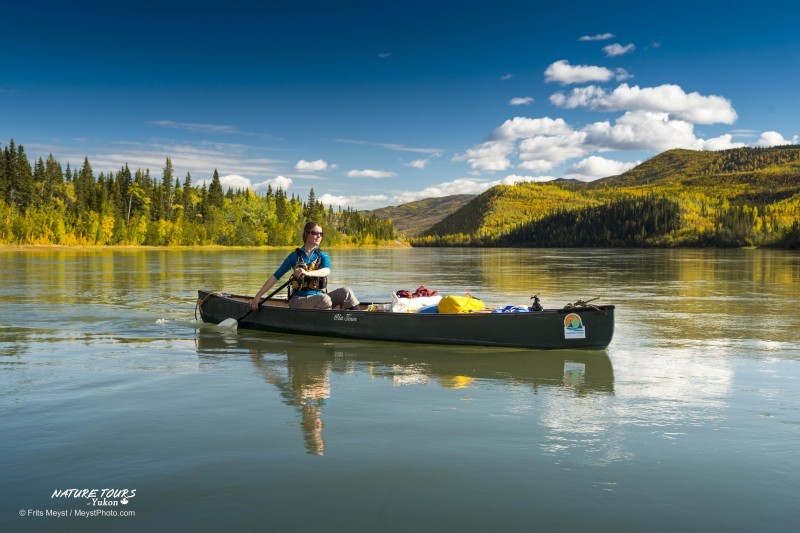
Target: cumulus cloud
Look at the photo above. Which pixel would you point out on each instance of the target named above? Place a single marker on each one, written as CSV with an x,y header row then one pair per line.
x,y
279,182
616,49
311,166
521,100
773,138
234,181
374,174
594,167
542,153
598,37
490,156
723,142
542,144
521,127
691,107
565,74
640,130
578,97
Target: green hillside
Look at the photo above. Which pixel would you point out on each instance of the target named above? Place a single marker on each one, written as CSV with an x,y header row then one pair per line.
x,y
413,218
506,206
740,197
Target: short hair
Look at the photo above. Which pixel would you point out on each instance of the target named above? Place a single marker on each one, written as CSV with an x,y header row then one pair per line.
x,y
308,227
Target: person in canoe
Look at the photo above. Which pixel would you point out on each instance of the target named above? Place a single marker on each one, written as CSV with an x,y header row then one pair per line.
x,y
311,268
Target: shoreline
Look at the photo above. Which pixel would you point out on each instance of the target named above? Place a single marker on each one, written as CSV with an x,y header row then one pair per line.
x,y
13,247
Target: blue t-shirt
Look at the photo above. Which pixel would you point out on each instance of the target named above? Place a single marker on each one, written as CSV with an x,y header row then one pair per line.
x,y
291,260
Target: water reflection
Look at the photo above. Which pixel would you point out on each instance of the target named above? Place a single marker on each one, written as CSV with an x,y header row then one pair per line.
x,y
301,369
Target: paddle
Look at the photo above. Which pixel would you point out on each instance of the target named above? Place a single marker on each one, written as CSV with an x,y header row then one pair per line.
x,y
234,322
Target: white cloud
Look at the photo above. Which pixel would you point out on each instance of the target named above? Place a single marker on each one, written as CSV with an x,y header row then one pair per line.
x,y
521,100
578,97
505,77
542,144
616,49
490,156
542,153
620,74
384,55
773,138
594,167
422,163
565,74
641,130
522,127
672,99
234,181
311,166
361,202
598,37
723,142
375,174
279,182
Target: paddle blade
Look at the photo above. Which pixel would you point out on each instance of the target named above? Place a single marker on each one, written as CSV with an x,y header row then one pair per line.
x,y
229,323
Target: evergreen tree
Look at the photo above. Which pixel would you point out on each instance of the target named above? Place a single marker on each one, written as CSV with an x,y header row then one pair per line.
x,y
167,190
23,180
216,197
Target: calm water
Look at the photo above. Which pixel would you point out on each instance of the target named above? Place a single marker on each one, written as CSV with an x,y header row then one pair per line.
x,y
689,421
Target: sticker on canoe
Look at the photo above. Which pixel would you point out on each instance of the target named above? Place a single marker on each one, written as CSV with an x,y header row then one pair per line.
x,y
573,327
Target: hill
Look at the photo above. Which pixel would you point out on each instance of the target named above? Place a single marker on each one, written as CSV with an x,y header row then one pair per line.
x,y
414,218
744,196
505,206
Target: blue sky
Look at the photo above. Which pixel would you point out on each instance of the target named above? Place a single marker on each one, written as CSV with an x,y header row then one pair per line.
x,y
380,103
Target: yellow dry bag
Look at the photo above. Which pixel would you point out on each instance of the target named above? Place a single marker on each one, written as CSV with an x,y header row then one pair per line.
x,y
460,304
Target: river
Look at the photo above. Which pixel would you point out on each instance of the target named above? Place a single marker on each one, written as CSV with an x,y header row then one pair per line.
x,y
119,411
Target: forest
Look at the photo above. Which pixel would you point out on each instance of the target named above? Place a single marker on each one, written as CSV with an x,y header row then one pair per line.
x,y
45,203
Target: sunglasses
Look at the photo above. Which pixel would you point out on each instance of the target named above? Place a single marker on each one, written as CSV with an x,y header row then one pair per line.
x,y
316,233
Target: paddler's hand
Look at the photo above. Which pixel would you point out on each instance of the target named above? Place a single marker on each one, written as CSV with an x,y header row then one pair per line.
x,y
299,272
255,302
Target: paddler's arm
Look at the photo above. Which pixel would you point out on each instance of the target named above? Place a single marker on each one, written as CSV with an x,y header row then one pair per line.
x,y
254,303
320,273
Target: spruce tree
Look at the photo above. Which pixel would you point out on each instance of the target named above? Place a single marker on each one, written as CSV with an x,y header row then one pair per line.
x,y
216,197
167,190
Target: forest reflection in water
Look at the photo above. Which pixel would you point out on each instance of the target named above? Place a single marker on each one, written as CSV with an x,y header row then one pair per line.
x,y
301,369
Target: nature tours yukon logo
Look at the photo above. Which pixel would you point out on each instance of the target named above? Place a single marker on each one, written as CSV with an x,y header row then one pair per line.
x,y
573,327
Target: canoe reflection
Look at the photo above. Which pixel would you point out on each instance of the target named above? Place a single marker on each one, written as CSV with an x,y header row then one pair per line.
x,y
301,367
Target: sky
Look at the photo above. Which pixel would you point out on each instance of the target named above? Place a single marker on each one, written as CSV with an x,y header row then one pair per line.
x,y
385,102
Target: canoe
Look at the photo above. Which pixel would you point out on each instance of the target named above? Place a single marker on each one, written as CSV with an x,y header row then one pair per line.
x,y
583,327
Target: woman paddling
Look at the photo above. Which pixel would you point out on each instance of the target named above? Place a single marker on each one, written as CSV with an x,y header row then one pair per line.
x,y
311,268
